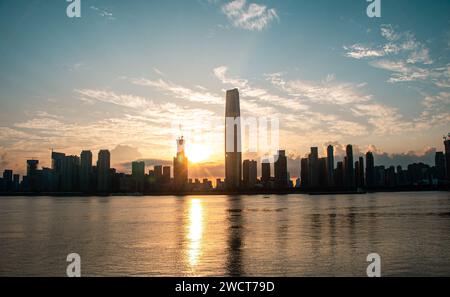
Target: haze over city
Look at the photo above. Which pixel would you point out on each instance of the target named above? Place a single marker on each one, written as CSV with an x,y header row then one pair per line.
x,y
132,77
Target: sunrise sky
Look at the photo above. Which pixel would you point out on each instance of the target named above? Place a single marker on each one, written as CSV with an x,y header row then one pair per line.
x,y
128,75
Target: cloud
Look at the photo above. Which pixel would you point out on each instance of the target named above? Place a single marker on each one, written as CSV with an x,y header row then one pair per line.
x,y
122,153
179,91
259,94
253,17
104,13
328,91
404,44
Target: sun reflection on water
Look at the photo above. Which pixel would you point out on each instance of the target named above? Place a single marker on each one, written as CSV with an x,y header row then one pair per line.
x,y
195,231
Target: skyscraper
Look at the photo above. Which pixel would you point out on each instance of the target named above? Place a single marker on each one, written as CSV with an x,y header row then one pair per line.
x,y
103,171
249,173
138,174
330,165
57,170
280,168
349,176
370,170
32,174
313,170
86,171
180,166
233,154
265,171
304,172
439,161
70,176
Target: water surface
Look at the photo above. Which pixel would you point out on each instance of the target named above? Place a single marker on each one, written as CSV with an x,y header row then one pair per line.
x,y
294,235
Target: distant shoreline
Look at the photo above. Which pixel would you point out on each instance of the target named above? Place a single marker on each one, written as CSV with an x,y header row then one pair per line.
x,y
221,193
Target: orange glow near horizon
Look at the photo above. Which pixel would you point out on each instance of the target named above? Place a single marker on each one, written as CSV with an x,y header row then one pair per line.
x,y
197,152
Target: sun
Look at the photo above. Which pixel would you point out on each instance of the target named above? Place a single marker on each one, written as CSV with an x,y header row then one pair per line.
x,y
197,152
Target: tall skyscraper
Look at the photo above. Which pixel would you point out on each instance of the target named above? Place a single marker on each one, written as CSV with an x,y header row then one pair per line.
x,y
439,161
361,179
86,171
70,176
103,171
313,170
57,170
349,176
32,174
166,175
8,180
180,166
250,175
281,173
370,170
138,174
330,165
265,171
304,173
233,153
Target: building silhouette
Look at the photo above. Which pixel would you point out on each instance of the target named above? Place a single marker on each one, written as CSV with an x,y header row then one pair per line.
x,y
138,176
233,152
86,171
313,168
349,176
180,166
280,170
370,170
330,165
250,175
103,171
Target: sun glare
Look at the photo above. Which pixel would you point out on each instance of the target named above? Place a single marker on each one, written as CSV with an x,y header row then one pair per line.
x,y
197,152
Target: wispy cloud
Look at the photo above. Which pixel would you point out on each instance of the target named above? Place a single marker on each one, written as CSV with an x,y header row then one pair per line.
x,y
252,16
328,91
104,13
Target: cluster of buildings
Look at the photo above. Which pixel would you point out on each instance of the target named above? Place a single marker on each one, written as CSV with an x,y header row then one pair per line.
x,y
78,174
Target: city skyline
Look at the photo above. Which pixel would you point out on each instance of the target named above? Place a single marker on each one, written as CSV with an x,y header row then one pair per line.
x,y
380,84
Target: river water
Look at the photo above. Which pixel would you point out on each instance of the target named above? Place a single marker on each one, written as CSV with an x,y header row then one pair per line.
x,y
292,235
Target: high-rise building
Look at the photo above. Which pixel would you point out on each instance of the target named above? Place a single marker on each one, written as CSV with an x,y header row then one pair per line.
x,y
86,171
180,166
32,175
138,174
330,165
166,175
280,168
70,173
370,170
57,170
349,176
439,161
158,174
447,156
304,173
250,176
359,173
323,172
339,174
313,170
265,171
103,171
8,180
233,153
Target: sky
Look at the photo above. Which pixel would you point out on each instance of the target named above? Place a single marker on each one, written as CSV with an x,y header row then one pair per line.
x,y
131,76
